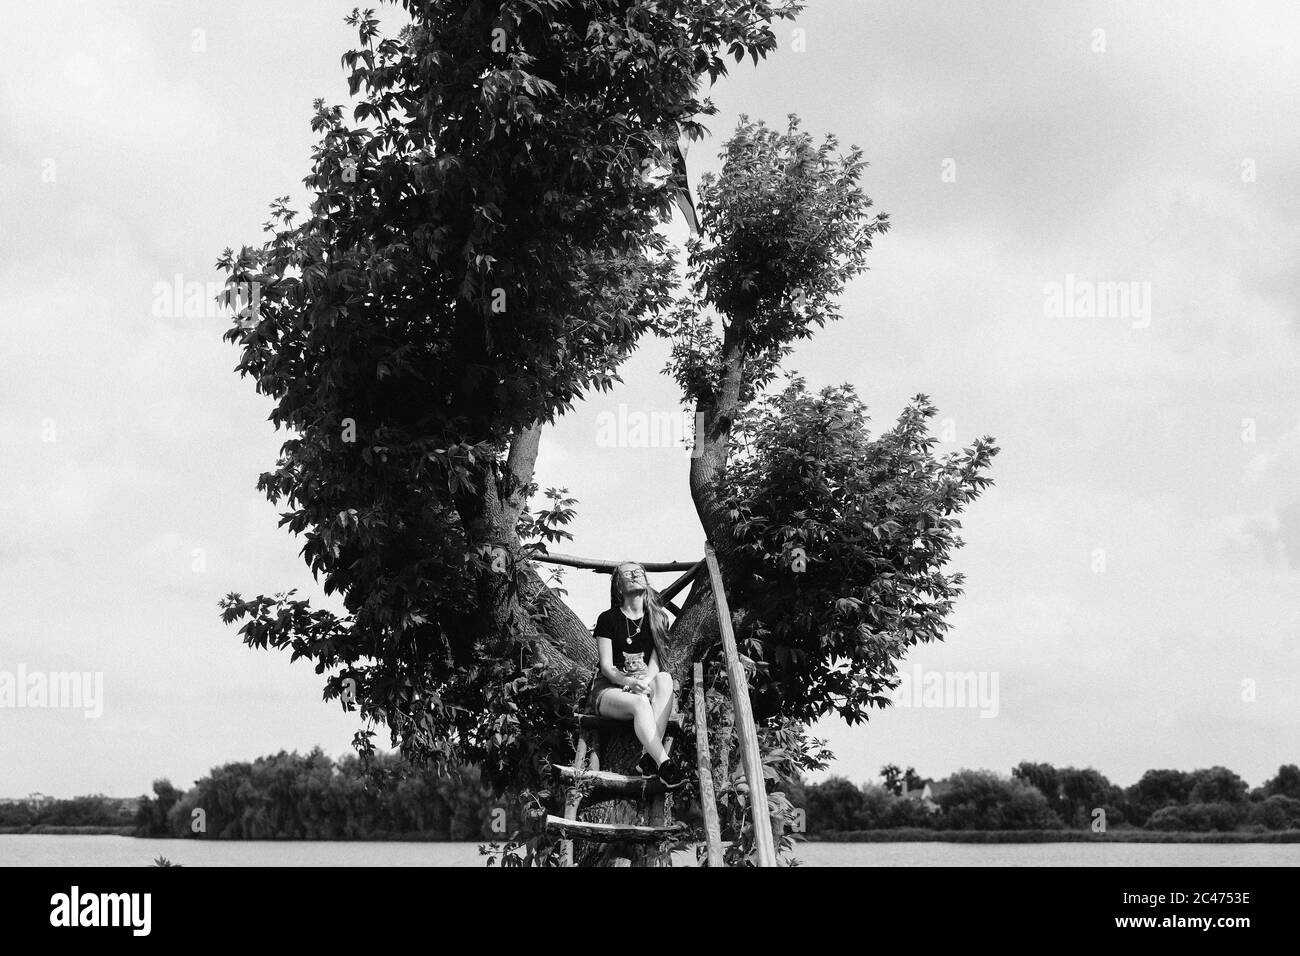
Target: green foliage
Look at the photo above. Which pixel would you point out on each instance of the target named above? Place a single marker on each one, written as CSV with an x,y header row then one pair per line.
x,y
784,226
480,250
1217,785
1157,789
1197,817
92,810
1276,812
1160,789
151,819
1286,783
1041,775
16,815
874,522
895,778
983,800
970,799
1203,801
1074,794
1082,793
835,804
885,810
291,796
833,543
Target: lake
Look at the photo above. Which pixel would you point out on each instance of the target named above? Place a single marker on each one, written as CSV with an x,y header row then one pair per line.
x,y
47,850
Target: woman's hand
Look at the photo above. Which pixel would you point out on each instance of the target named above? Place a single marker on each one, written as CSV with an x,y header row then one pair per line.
x,y
636,685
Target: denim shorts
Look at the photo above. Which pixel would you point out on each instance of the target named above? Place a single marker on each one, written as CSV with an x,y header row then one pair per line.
x,y
596,687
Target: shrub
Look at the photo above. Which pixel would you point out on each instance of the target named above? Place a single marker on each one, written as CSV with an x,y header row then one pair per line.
x,y
1277,812
983,800
1197,817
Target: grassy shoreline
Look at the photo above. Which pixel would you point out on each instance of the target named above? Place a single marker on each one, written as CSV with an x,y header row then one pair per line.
x,y
917,835
45,829
904,835
38,829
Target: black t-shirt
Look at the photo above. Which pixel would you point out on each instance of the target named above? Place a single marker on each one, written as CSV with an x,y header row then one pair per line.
x,y
627,636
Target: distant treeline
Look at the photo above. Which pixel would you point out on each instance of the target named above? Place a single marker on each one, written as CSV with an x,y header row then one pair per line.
x,y
312,797
96,813
288,796
1038,796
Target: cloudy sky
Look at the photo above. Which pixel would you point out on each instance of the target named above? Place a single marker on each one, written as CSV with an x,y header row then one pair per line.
x,y
1132,575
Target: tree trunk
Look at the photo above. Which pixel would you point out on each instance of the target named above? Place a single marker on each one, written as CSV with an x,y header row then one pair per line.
x,y
562,641
619,753
718,411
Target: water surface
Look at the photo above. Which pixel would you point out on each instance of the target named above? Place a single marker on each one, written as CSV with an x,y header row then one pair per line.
x,y
48,850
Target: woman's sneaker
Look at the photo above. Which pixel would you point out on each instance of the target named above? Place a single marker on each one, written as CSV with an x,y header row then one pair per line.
x,y
671,776
646,766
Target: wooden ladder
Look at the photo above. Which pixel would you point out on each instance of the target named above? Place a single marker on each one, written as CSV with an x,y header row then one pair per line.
x,y
585,783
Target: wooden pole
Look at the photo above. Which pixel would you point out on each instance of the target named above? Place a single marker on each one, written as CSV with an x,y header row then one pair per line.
x,y
746,731
670,592
708,802
600,564
572,799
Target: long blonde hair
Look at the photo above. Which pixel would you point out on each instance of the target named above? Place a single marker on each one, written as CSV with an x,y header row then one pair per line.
x,y
653,610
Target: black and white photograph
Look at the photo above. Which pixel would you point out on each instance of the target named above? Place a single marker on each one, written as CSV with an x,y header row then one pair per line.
x,y
638,434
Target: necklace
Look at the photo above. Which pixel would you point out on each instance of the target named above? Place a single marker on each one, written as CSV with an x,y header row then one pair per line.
x,y
630,632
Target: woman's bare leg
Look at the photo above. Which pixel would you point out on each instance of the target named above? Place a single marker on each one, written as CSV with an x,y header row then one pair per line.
x,y
661,701
620,705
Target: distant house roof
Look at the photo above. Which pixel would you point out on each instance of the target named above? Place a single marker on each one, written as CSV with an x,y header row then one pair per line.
x,y
937,789
127,806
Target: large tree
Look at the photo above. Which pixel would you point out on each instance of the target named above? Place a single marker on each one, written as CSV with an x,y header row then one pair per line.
x,y
1286,783
481,252
1158,789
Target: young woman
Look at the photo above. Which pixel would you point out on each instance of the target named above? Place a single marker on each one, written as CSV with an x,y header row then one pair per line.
x,y
628,684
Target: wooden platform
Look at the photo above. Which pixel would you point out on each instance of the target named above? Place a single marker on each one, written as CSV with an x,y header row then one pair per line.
x,y
604,725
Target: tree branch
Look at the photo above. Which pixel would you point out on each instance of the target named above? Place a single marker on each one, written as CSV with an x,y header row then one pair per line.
x,y
519,468
719,411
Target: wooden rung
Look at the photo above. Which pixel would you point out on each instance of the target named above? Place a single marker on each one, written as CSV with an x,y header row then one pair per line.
x,y
628,781
602,785
611,832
